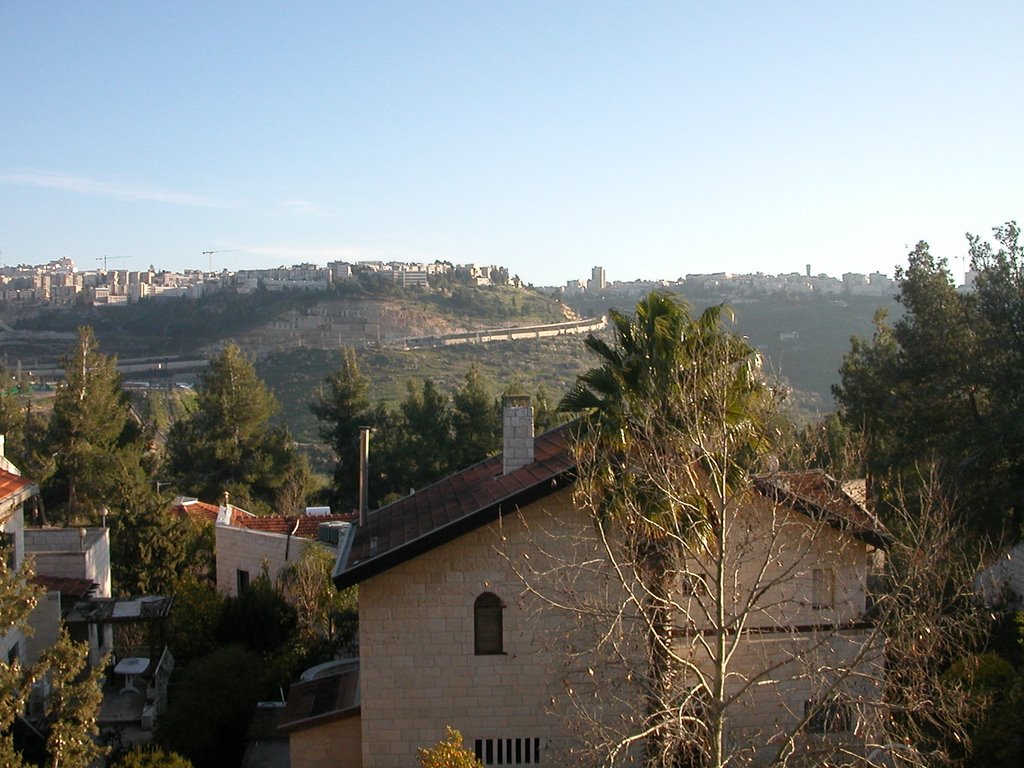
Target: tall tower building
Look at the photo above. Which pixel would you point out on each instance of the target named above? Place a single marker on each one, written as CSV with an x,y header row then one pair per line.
x,y
597,281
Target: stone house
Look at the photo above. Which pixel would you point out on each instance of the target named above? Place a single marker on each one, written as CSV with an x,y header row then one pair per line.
x,y
14,492
245,543
452,632
72,565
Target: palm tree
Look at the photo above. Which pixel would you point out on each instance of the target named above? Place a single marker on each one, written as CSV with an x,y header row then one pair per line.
x,y
672,422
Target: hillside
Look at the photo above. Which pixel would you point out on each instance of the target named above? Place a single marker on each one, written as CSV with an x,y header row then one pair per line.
x,y
294,338
803,337
265,322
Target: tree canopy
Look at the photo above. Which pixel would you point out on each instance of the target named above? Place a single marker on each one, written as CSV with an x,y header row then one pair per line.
x,y
99,456
427,436
75,694
228,443
674,424
943,385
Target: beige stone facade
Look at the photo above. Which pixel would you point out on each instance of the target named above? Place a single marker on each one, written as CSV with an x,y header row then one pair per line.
x,y
241,550
419,671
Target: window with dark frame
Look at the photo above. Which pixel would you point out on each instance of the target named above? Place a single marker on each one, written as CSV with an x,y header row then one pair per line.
x,y
242,579
832,716
824,588
488,632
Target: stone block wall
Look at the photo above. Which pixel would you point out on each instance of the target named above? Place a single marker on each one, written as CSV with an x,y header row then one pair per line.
x,y
417,664
63,553
419,672
240,549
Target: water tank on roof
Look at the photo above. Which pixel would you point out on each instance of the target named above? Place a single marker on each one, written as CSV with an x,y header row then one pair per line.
x,y
318,511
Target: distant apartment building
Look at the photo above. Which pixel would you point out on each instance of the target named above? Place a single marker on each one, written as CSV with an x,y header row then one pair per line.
x,y
597,281
307,277
574,287
409,278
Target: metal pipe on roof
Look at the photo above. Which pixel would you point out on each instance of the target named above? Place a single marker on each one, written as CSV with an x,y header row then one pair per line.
x,y
364,473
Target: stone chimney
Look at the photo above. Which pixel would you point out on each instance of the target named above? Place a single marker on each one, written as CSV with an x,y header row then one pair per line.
x,y
517,432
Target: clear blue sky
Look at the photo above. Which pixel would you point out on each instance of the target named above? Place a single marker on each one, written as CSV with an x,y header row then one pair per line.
x,y
654,139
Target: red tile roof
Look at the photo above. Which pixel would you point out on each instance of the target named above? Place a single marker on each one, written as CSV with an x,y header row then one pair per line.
x,y
11,483
14,491
821,497
196,510
305,526
455,505
479,494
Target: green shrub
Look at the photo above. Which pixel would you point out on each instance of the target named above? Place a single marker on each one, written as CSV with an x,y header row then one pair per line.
x,y
449,753
211,707
152,757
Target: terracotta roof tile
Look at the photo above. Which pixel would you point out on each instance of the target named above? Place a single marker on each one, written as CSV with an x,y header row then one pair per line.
x,y
196,510
460,501
479,494
12,484
820,496
306,526
81,588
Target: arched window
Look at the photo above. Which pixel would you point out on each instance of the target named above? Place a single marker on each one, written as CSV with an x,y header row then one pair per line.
x,y
487,628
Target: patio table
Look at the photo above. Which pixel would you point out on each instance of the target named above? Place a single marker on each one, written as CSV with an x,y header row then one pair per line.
x,y
131,667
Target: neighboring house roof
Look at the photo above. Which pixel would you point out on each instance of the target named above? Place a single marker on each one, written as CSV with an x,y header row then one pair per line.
x,y
195,509
480,494
453,506
99,610
305,526
821,497
321,700
15,490
78,588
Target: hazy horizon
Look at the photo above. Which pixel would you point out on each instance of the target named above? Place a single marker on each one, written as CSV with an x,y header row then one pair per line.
x,y
654,139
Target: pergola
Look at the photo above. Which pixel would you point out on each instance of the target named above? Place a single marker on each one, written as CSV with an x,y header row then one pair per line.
x,y
97,611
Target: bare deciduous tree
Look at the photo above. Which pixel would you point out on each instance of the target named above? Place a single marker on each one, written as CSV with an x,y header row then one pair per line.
x,y
722,612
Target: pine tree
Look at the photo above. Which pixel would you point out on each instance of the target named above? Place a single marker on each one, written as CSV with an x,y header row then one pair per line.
x,y
476,420
342,407
97,447
428,443
228,443
75,695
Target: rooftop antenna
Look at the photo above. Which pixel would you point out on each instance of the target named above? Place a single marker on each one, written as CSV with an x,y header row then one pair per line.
x,y
210,255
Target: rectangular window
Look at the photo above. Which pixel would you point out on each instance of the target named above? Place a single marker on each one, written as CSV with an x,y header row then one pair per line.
x,y
831,716
508,751
824,587
242,579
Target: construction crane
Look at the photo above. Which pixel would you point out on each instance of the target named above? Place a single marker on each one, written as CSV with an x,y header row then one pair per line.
x,y
210,254
105,259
